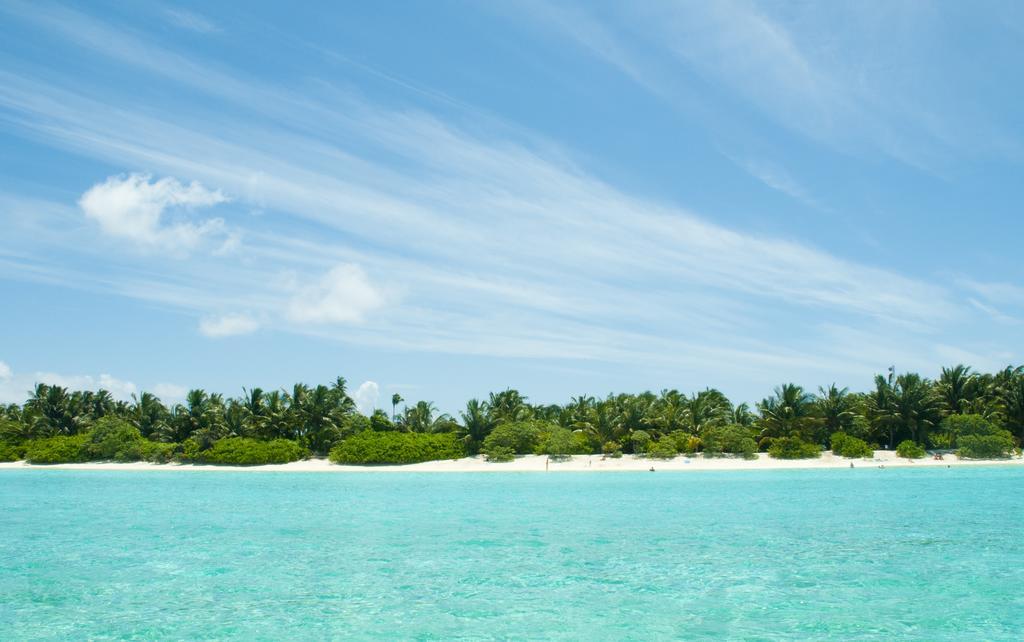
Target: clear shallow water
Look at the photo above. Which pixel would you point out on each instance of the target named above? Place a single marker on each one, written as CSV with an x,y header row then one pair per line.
x,y
858,554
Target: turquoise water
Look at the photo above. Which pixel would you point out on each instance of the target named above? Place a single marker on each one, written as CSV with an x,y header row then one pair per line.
x,y
835,554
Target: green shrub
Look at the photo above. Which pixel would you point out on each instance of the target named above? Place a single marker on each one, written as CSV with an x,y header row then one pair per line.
x,y
954,427
995,446
57,450
559,443
844,445
665,448
499,454
158,452
728,440
910,449
371,447
610,446
11,452
189,450
641,441
793,448
616,455
241,451
113,438
521,436
685,442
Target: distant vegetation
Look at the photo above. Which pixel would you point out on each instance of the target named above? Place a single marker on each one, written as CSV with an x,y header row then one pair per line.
x,y
976,414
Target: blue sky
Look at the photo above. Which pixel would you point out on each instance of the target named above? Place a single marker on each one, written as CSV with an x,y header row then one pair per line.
x,y
445,199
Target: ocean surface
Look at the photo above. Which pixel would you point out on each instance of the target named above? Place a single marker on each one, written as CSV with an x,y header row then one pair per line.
x,y
830,554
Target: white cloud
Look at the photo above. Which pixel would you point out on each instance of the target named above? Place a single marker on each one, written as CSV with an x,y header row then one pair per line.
x,y
228,325
169,392
5,371
133,207
366,397
343,295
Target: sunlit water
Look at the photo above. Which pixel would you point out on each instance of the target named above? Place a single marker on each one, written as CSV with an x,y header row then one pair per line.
x,y
840,554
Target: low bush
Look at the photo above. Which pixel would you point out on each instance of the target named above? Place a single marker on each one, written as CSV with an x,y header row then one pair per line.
x,y
793,448
499,454
57,450
522,437
665,448
158,452
728,440
11,452
188,451
641,441
910,449
112,438
685,442
241,451
371,447
844,445
610,446
955,427
995,446
559,443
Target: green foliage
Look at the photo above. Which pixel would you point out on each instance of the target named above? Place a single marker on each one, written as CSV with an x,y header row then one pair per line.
x,y
380,421
662,449
844,445
521,436
910,449
499,454
358,423
684,442
11,452
793,448
559,443
955,427
158,452
610,446
189,450
61,449
371,447
242,451
641,441
732,439
112,438
994,446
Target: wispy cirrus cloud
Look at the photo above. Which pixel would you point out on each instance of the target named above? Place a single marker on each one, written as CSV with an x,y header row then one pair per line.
x,y
190,20
856,78
496,245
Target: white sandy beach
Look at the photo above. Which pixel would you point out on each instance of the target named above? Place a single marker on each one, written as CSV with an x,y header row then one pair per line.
x,y
541,463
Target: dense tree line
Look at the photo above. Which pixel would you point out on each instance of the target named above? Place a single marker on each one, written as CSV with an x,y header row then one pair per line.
x,y
956,410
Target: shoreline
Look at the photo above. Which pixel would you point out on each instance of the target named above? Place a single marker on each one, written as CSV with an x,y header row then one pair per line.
x,y
541,463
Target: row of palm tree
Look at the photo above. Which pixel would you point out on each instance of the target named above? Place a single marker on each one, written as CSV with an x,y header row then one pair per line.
x,y
900,406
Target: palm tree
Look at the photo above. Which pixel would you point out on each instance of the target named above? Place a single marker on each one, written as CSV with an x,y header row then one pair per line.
x,y
835,405
395,400
790,412
148,414
319,414
915,406
878,409
508,406
707,408
957,387
476,424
